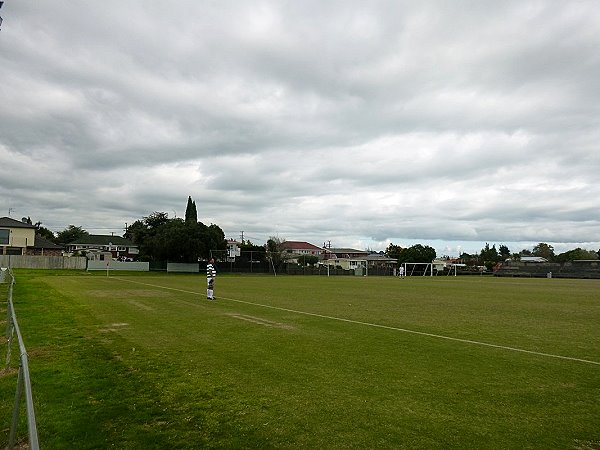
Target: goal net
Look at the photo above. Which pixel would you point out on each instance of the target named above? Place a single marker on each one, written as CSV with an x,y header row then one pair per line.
x,y
412,269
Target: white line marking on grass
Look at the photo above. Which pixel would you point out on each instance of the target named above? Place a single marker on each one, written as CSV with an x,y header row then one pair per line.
x,y
386,327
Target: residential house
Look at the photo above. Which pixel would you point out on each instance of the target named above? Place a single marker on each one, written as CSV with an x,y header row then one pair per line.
x,y
44,247
351,259
295,249
344,263
380,260
117,246
15,236
439,265
348,253
19,238
346,258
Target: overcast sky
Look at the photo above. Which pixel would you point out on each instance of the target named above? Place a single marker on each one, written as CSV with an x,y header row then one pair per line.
x,y
360,123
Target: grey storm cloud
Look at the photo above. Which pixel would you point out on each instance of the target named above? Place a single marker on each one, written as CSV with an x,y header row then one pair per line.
x,y
360,123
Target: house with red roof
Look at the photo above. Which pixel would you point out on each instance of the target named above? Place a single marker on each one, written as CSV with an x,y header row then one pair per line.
x,y
294,249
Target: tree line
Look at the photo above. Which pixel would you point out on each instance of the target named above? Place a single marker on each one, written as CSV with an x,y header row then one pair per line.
x,y
489,256
158,237
161,238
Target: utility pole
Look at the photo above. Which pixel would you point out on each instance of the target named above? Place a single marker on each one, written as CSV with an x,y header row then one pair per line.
x,y
242,235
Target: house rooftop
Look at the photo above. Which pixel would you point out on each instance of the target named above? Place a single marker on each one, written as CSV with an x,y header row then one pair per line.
x,y
44,243
535,259
348,250
298,245
12,223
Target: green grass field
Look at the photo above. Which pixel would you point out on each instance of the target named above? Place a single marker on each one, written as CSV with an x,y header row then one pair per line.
x,y
143,361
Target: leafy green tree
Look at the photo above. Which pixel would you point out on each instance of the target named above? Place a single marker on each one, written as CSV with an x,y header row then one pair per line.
x,y
249,252
191,214
308,260
70,234
576,254
470,259
143,232
543,250
276,252
156,219
417,253
40,230
212,238
393,251
45,233
136,231
178,241
489,256
165,242
162,239
504,252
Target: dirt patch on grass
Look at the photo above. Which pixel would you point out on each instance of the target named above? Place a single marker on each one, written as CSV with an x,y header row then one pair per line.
x,y
39,352
113,327
587,445
263,322
4,372
141,305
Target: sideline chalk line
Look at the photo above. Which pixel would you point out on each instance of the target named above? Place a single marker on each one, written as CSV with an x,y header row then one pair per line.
x,y
375,325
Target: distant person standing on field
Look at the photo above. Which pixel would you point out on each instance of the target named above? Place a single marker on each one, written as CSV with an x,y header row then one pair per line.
x,y
211,274
401,271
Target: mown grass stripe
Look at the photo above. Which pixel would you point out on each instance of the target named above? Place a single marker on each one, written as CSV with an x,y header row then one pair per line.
x,y
374,325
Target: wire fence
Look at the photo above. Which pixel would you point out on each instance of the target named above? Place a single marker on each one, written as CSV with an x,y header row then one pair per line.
x,y
23,388
266,267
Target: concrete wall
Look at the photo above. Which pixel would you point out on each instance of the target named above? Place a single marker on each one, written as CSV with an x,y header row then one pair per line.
x,y
42,262
183,267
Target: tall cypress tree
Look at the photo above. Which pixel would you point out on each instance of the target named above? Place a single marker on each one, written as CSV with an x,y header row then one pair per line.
x,y
191,215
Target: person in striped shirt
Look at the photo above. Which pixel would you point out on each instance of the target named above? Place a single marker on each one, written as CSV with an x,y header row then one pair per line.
x,y
211,274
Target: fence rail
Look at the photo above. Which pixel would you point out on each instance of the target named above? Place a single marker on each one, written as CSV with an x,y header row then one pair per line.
x,y
23,379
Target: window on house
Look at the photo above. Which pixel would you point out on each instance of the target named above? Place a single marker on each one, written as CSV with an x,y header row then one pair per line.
x,y
4,237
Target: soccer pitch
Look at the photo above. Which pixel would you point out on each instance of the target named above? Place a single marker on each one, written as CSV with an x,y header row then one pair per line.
x,y
145,361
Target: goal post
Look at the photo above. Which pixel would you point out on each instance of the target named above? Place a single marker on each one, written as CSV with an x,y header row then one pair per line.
x,y
418,269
